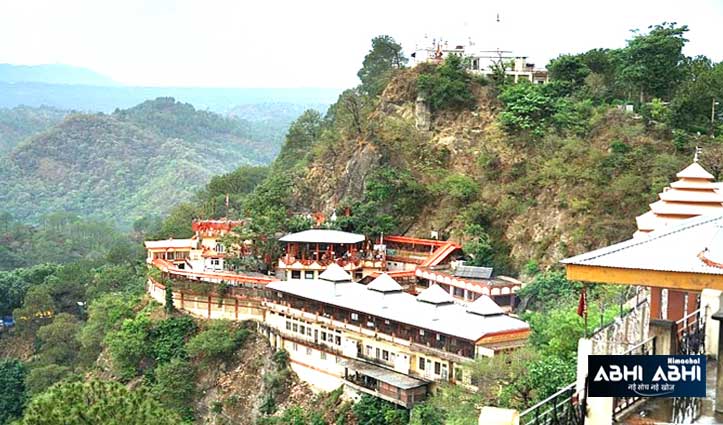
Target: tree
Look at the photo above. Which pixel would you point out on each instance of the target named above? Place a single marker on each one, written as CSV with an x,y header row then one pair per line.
x,y
217,342
384,57
41,378
426,414
96,402
654,63
168,306
58,341
13,394
38,307
479,248
570,69
105,314
448,86
129,345
371,410
175,386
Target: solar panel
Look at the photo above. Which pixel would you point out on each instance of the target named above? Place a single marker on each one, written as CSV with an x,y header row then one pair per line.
x,y
473,272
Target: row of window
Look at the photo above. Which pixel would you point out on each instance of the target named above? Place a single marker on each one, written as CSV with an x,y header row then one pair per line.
x,y
379,354
304,328
310,351
308,274
427,365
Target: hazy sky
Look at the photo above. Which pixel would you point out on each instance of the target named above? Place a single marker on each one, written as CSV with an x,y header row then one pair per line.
x,y
311,43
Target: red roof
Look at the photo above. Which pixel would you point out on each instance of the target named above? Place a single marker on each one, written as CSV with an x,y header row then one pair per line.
x,y
215,225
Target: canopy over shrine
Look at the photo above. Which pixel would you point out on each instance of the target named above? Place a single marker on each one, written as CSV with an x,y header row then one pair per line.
x,y
686,256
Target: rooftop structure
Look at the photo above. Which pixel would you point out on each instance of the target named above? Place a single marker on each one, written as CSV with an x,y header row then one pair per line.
x,y
310,252
324,236
692,195
689,246
433,310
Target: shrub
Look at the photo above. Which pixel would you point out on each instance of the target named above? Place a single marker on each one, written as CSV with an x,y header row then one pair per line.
x,y
448,86
218,342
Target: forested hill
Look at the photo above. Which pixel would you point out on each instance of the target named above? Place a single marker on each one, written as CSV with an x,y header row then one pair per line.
x,y
21,122
129,164
522,174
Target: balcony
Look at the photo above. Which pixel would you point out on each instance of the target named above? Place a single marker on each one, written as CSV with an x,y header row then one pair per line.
x,y
386,384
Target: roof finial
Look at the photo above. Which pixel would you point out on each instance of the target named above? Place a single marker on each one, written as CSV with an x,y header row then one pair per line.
x,y
698,151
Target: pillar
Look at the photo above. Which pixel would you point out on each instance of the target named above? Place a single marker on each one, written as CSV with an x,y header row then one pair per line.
x,y
710,300
676,305
664,331
655,297
498,416
718,316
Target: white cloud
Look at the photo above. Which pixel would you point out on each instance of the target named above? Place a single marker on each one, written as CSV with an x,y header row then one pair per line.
x,y
275,43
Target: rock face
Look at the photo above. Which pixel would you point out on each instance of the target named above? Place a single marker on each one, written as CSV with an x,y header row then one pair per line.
x,y
422,114
540,200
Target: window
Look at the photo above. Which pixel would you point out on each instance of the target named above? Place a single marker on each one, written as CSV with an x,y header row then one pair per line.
x,y
354,316
323,336
308,351
421,332
369,350
378,352
288,325
459,292
296,327
308,331
220,248
437,368
296,347
385,355
322,355
309,275
386,322
338,340
421,363
295,274
302,329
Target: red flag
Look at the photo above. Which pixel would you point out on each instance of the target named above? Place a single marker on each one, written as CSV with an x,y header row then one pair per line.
x,y
582,304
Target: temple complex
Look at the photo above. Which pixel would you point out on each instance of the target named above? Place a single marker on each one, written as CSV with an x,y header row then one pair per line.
x,y
381,340
392,317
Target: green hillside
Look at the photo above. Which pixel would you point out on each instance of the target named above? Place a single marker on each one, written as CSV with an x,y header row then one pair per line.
x,y
133,163
21,122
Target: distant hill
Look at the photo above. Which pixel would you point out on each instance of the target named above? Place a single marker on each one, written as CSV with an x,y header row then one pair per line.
x,y
21,122
107,99
52,74
128,164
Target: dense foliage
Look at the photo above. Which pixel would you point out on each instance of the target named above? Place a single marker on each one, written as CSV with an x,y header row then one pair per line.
x,y
21,122
130,164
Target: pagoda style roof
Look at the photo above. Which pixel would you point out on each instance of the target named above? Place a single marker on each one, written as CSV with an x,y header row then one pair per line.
x,y
384,283
485,306
435,295
695,171
334,273
323,236
693,195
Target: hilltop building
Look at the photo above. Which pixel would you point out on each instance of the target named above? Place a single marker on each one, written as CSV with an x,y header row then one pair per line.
x,y
202,252
482,61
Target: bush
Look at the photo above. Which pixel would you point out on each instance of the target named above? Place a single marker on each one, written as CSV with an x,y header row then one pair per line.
x,y
218,342
13,394
175,386
448,86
